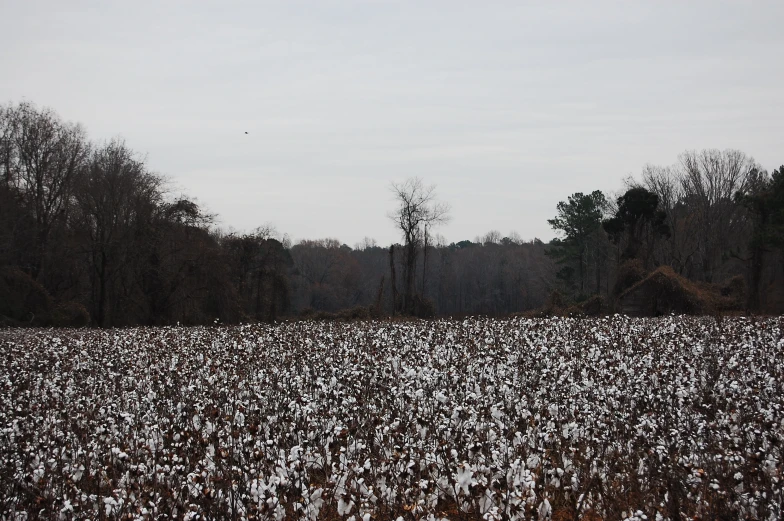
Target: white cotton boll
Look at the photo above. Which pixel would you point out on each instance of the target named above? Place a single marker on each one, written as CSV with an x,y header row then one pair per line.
x,y
315,499
344,507
109,503
533,461
464,479
545,510
441,397
196,422
486,504
77,475
38,474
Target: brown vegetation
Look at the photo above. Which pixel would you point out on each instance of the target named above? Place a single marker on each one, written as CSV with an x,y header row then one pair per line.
x,y
629,273
22,299
558,305
664,291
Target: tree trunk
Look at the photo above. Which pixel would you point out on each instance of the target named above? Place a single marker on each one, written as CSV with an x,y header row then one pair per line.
x,y
408,298
379,295
424,264
102,291
258,295
757,254
394,279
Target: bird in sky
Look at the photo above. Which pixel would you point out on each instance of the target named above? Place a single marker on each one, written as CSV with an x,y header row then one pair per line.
x,y
246,132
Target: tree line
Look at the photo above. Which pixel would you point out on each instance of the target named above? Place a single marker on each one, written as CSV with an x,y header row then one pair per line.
x,y
714,216
89,234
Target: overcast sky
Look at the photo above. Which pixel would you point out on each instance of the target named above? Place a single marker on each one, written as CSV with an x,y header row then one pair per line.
x,y
508,107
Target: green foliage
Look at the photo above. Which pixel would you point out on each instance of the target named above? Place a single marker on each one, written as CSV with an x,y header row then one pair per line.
x,y
767,207
638,215
765,203
461,244
579,219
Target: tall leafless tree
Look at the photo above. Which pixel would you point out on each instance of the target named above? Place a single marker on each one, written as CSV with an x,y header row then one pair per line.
x,y
116,201
417,210
710,179
41,158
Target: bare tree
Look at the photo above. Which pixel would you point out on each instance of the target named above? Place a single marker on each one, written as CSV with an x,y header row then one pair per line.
x,y
680,248
417,210
491,237
116,199
366,243
709,181
41,158
260,265
6,145
394,279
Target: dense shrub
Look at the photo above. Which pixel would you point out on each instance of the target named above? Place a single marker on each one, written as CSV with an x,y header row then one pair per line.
x,y
424,307
592,307
350,314
664,291
558,305
22,299
735,289
70,314
630,273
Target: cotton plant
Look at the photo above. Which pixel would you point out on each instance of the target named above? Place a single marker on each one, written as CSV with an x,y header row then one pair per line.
x,y
492,419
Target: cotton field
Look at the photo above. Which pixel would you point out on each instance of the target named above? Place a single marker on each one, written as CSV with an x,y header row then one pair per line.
x,y
668,418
